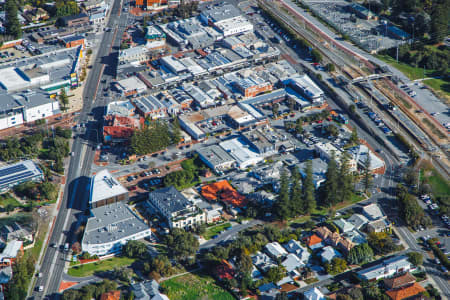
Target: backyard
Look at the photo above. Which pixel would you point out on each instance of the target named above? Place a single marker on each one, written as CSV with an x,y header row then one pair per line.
x,y
8,201
99,266
194,286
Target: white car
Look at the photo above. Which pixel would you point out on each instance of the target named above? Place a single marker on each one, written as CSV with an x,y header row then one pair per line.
x,y
41,288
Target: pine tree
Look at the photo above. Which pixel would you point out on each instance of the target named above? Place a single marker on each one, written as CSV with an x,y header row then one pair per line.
x,y
331,183
354,137
344,179
296,199
12,25
309,199
282,205
366,173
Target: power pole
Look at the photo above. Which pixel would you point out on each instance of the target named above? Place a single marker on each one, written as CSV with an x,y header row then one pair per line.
x,y
397,53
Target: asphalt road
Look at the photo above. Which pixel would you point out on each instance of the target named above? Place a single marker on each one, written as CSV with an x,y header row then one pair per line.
x,y
76,191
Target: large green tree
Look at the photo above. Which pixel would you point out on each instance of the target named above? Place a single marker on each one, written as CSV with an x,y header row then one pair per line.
x,y
360,254
181,244
282,206
296,200
367,176
439,20
309,197
345,178
331,184
12,25
63,99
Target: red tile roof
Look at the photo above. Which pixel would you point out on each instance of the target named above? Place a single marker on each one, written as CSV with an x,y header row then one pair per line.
x,y
113,295
399,281
405,292
117,132
223,191
313,239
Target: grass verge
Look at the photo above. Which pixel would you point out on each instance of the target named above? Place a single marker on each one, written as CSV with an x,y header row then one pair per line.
x,y
212,231
194,286
99,266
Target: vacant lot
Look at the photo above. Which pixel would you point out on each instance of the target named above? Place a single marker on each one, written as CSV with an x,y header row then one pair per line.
x,y
213,230
194,286
104,265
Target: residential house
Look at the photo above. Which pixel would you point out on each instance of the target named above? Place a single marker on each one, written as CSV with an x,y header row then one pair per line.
x,y
405,292
328,253
268,287
292,262
262,261
358,220
313,294
12,251
148,290
15,231
179,211
6,274
323,232
355,237
345,245
387,268
275,250
112,295
255,274
333,239
399,281
373,211
379,225
343,225
295,247
314,242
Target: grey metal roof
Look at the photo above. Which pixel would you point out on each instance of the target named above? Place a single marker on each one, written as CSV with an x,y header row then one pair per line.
x,y
170,198
110,223
215,155
221,12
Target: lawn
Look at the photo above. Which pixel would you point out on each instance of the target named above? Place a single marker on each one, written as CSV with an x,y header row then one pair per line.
x,y
439,85
104,265
213,230
410,71
194,286
7,199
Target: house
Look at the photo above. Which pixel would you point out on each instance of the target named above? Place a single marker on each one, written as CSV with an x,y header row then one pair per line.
x,y
6,273
112,295
175,208
223,191
262,261
225,271
405,292
313,294
355,237
345,245
343,225
295,247
323,232
399,281
12,251
358,220
268,287
275,250
255,274
379,225
314,242
15,231
292,262
328,253
148,290
333,239
387,268
372,212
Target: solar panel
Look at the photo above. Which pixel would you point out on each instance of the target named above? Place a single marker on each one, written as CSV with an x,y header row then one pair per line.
x,y
13,169
15,177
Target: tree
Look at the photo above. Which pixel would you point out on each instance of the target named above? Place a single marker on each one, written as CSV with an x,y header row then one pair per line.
x,y
296,200
181,244
275,274
309,198
354,140
63,99
331,67
336,266
12,25
416,258
360,254
154,137
176,131
275,108
244,263
439,21
344,179
331,183
381,243
367,176
134,249
410,177
282,205
316,56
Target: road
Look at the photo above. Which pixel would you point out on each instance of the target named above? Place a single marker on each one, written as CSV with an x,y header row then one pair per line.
x,y
229,234
75,197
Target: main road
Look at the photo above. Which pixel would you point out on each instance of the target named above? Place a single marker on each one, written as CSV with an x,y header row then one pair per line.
x,y
75,197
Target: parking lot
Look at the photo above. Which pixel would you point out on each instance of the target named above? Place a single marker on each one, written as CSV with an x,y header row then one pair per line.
x,y
11,54
369,34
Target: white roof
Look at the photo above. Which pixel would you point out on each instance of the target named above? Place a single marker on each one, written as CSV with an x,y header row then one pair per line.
x,y
240,152
11,250
173,63
344,225
132,83
313,294
11,80
328,253
373,211
360,153
358,220
104,186
292,262
121,108
275,249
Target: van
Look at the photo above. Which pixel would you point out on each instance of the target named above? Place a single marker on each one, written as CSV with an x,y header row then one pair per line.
x,y
66,247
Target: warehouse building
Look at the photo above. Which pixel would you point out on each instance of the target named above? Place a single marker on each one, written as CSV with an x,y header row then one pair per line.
x,y
24,171
216,158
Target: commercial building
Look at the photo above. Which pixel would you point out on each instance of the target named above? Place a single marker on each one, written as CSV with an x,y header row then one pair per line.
x,y
319,167
130,86
360,153
216,158
134,54
267,141
242,153
105,189
398,33
109,227
18,173
362,12
150,106
386,269
252,86
304,85
120,108
175,208
75,20
73,41
156,39
326,150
